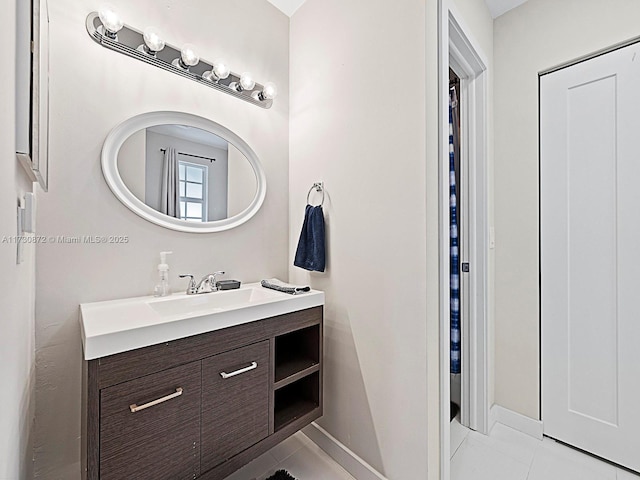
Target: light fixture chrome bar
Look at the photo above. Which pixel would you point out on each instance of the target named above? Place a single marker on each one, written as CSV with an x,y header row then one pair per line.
x,y
129,39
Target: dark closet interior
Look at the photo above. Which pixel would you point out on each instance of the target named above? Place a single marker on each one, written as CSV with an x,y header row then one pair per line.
x,y
455,242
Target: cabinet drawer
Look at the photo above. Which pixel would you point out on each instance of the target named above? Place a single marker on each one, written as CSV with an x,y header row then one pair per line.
x,y
161,441
235,410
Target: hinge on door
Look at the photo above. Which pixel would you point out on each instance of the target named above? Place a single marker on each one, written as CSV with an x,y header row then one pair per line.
x,y
465,267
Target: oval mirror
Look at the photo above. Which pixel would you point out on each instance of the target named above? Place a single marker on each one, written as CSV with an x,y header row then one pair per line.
x,y
183,172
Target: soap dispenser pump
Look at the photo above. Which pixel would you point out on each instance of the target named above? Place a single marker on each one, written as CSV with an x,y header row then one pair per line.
x,y
162,289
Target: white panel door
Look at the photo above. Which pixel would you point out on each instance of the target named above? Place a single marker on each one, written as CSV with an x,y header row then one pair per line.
x,y
590,255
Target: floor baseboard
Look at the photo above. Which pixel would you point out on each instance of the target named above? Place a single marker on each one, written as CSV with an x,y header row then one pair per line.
x,y
516,421
351,462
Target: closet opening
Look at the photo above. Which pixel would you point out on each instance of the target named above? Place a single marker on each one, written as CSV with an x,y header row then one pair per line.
x,y
458,193
465,375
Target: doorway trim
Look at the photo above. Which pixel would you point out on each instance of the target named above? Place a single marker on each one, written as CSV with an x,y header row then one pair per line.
x,y
457,49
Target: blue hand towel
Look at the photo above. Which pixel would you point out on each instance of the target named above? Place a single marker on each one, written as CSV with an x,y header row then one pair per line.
x,y
310,254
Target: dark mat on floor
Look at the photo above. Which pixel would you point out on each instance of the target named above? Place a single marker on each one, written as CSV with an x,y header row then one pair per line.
x,y
454,410
281,475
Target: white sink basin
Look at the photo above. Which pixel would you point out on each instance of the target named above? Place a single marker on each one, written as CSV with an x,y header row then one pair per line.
x,y
213,302
120,325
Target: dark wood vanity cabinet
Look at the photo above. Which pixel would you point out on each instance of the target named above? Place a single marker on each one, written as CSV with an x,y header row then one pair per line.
x,y
161,441
235,407
203,406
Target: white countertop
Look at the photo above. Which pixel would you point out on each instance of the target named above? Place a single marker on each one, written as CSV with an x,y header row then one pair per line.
x,y
118,326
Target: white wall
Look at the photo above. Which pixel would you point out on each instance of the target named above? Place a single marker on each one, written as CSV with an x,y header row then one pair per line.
x,y
477,18
92,90
17,290
364,136
533,37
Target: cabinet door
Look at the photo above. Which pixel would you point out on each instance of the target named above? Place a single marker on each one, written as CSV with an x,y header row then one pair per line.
x,y
161,441
235,402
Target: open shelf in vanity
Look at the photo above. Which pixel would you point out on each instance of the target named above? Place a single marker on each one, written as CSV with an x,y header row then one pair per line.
x,y
296,375
296,399
296,353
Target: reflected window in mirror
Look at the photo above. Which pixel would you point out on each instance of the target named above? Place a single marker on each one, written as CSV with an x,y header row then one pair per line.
x,y
204,185
193,191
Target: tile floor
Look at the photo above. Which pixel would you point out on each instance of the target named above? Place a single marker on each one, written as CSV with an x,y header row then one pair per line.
x,y
299,456
507,454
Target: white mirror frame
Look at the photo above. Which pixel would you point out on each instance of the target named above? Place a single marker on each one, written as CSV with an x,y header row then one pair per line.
x,y
124,130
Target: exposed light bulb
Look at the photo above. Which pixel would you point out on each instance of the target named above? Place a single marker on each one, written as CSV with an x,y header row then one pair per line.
x,y
153,40
111,21
246,81
269,92
221,69
188,57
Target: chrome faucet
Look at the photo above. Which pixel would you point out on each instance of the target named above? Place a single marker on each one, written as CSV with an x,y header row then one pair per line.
x,y
206,285
191,289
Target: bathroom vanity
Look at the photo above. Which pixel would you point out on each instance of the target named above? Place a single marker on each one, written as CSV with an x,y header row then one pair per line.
x,y
236,372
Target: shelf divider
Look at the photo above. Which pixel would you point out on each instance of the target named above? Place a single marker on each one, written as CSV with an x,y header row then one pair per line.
x,y
296,376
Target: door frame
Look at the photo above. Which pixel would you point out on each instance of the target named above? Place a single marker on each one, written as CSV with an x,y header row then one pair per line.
x,y
588,56
458,49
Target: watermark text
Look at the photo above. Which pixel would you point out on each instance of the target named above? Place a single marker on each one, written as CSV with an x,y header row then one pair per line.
x,y
65,239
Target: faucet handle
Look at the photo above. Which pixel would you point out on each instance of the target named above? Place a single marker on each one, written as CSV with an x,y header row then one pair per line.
x,y
191,289
212,278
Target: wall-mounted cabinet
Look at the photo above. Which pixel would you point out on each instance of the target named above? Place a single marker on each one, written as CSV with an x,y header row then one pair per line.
x,y
32,89
203,406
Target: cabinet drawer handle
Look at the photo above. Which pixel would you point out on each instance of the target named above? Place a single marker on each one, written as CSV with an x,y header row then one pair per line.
x,y
253,366
135,408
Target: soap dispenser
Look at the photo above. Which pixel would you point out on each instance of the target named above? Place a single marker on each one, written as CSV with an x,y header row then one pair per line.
x,y
162,289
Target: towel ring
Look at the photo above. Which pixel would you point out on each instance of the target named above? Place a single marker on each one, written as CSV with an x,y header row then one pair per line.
x,y
318,188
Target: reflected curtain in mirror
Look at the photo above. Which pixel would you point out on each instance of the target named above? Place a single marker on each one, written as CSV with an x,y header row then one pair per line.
x,y
170,200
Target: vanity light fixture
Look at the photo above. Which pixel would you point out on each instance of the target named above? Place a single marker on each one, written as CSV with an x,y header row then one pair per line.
x,y
150,47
